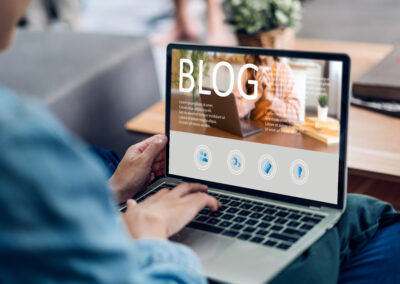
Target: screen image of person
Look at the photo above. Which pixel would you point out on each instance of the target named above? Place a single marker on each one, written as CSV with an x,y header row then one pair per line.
x,y
276,94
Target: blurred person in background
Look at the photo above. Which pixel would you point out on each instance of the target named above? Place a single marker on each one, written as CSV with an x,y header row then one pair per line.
x,y
188,27
41,14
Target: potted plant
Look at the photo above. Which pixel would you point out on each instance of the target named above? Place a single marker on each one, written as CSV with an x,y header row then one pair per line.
x,y
264,23
323,107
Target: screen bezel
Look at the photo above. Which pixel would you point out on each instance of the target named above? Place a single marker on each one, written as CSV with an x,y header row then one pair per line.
x,y
344,111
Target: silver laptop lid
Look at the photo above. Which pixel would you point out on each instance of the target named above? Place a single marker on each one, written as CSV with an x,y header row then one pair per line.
x,y
298,99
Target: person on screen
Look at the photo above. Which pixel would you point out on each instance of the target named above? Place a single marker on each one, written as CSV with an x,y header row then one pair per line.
x,y
276,94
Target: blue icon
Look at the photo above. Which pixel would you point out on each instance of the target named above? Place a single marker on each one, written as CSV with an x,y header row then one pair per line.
x,y
235,162
299,171
267,167
203,157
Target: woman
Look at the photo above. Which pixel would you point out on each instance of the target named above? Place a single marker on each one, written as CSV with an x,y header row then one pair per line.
x,y
276,95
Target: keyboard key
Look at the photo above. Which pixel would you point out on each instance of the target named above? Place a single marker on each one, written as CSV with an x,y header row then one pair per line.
x,y
237,227
201,218
294,216
227,216
305,213
306,227
258,208
281,208
251,222
246,206
283,237
225,224
232,210
283,246
293,232
263,225
239,219
318,216
270,211
205,211
281,221
293,224
256,240
282,214
244,236
276,228
262,232
256,215
249,229
270,243
223,208
213,221
205,227
244,213
311,220
216,214
234,203
230,233
269,218
224,200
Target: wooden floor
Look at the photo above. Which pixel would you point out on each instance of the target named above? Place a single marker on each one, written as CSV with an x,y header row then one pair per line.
x,y
385,190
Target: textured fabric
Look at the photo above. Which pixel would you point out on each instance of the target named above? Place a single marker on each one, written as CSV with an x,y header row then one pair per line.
x,y
109,158
59,223
377,262
363,218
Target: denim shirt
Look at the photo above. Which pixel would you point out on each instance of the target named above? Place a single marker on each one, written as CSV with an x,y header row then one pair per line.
x,y
59,222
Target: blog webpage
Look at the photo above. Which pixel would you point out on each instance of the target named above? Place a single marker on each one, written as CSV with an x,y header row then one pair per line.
x,y
260,122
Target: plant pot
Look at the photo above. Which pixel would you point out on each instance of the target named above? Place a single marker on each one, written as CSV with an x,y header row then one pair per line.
x,y
280,38
322,113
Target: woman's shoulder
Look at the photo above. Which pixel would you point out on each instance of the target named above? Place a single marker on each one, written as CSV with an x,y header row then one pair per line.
x,y
283,68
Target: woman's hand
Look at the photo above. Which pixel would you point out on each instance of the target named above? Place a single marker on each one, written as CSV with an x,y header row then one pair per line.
x,y
168,211
265,83
141,163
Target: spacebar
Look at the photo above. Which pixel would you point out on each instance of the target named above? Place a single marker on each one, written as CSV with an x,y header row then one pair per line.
x,y
204,227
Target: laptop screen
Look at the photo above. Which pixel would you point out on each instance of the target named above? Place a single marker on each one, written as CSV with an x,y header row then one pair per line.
x,y
257,120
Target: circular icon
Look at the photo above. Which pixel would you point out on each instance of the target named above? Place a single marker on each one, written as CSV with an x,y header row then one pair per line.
x,y
299,172
202,157
267,167
235,162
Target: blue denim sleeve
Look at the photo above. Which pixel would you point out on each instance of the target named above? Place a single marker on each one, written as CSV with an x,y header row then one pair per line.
x,y
59,222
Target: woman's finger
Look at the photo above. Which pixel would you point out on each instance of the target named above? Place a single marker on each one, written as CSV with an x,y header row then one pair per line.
x,y
130,203
200,200
187,188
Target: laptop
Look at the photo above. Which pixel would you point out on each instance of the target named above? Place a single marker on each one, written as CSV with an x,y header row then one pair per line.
x,y
276,200
226,106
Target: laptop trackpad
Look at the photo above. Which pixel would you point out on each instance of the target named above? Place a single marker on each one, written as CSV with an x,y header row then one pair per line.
x,y
207,246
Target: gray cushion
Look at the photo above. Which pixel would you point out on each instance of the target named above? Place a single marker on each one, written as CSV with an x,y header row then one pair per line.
x,y
93,83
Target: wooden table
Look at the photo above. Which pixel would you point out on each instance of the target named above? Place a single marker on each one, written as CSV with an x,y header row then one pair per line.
x,y
374,139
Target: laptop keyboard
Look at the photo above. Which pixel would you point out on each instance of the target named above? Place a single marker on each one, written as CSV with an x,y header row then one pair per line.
x,y
258,222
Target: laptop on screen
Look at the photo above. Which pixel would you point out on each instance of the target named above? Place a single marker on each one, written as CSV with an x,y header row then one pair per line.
x,y
281,188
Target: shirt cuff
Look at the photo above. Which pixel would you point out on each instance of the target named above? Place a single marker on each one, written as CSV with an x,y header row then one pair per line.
x,y
276,105
151,251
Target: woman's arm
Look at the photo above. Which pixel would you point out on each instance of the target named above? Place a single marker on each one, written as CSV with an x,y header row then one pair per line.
x,y
59,221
